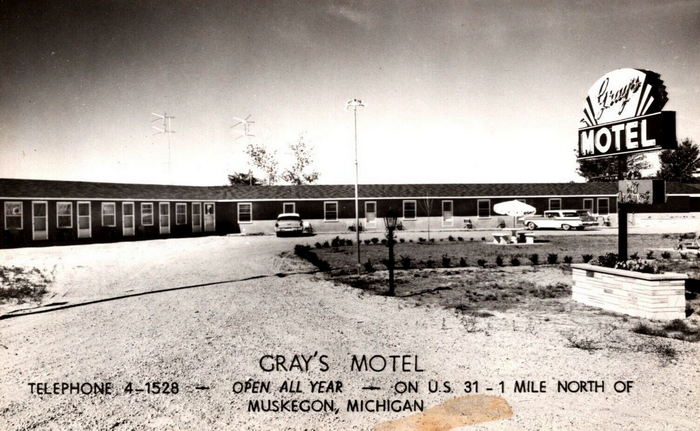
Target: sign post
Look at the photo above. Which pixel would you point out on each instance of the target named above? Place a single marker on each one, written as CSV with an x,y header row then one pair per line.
x,y
623,116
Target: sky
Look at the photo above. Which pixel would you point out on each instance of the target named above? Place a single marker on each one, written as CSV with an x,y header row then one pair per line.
x,y
455,92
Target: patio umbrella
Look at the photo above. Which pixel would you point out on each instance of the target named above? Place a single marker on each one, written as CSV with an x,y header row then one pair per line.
x,y
514,208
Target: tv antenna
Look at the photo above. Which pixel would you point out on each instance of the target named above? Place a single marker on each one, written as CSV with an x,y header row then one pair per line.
x,y
246,122
164,126
246,133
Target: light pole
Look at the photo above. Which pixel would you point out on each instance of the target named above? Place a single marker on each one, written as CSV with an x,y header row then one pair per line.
x,y
354,104
390,222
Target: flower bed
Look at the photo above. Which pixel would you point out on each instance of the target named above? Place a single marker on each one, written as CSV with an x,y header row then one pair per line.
x,y
653,296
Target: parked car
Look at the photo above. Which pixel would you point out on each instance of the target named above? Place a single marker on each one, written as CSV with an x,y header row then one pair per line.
x,y
291,223
560,219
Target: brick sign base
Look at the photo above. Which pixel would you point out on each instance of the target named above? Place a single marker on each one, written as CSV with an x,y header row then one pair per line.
x,y
652,296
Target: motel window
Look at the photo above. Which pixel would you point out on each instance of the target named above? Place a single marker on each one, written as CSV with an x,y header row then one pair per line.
x,y
554,204
603,206
588,205
13,215
409,210
330,211
147,214
64,215
288,207
180,213
109,214
483,208
245,213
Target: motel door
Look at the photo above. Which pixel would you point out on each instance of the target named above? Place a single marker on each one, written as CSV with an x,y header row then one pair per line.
x,y
164,217
209,217
447,213
84,222
196,217
370,213
128,219
40,226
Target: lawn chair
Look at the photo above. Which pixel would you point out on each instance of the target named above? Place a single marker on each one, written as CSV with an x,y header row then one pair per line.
x,y
468,224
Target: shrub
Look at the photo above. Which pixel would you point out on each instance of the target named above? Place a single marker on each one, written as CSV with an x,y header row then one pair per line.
x,y
677,325
451,238
462,262
387,262
650,254
644,329
638,265
634,256
586,258
402,240
351,228
430,263
459,238
583,343
483,238
421,239
410,240
446,261
442,239
326,244
375,240
384,241
499,260
348,242
514,261
481,262
405,262
367,242
609,260
336,242
322,265
684,256
369,267
666,255
471,239
318,245
534,258
568,260
552,258
432,239
302,250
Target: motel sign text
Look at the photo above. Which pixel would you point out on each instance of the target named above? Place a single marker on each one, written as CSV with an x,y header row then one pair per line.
x,y
623,115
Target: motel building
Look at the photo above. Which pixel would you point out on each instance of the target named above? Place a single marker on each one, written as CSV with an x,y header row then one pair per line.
x,y
42,212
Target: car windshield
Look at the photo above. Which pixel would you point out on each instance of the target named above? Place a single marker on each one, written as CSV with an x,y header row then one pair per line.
x,y
583,213
289,218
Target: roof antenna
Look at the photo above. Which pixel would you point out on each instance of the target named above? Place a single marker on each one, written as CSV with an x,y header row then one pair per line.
x,y
246,123
164,126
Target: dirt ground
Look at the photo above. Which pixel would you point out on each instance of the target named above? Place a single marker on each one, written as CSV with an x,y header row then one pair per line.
x,y
239,300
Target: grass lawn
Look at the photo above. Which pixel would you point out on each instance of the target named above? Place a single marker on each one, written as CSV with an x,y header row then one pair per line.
x,y
425,255
469,277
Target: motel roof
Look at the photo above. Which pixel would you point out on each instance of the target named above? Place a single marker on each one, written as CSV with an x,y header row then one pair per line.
x,y
49,189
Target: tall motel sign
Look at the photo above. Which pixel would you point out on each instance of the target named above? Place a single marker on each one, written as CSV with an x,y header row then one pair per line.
x,y
622,116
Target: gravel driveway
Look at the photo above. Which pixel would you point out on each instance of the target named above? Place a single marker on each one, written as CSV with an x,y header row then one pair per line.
x,y
213,336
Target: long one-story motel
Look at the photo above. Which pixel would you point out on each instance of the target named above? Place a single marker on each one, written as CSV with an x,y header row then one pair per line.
x,y
42,212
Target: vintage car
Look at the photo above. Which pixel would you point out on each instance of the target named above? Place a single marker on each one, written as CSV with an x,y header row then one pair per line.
x,y
291,223
560,219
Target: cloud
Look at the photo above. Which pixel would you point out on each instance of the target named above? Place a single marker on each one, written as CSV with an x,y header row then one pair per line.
x,y
362,19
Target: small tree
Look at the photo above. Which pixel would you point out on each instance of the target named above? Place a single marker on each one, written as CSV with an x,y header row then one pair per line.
x,y
265,161
243,178
299,172
606,169
681,163
426,204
